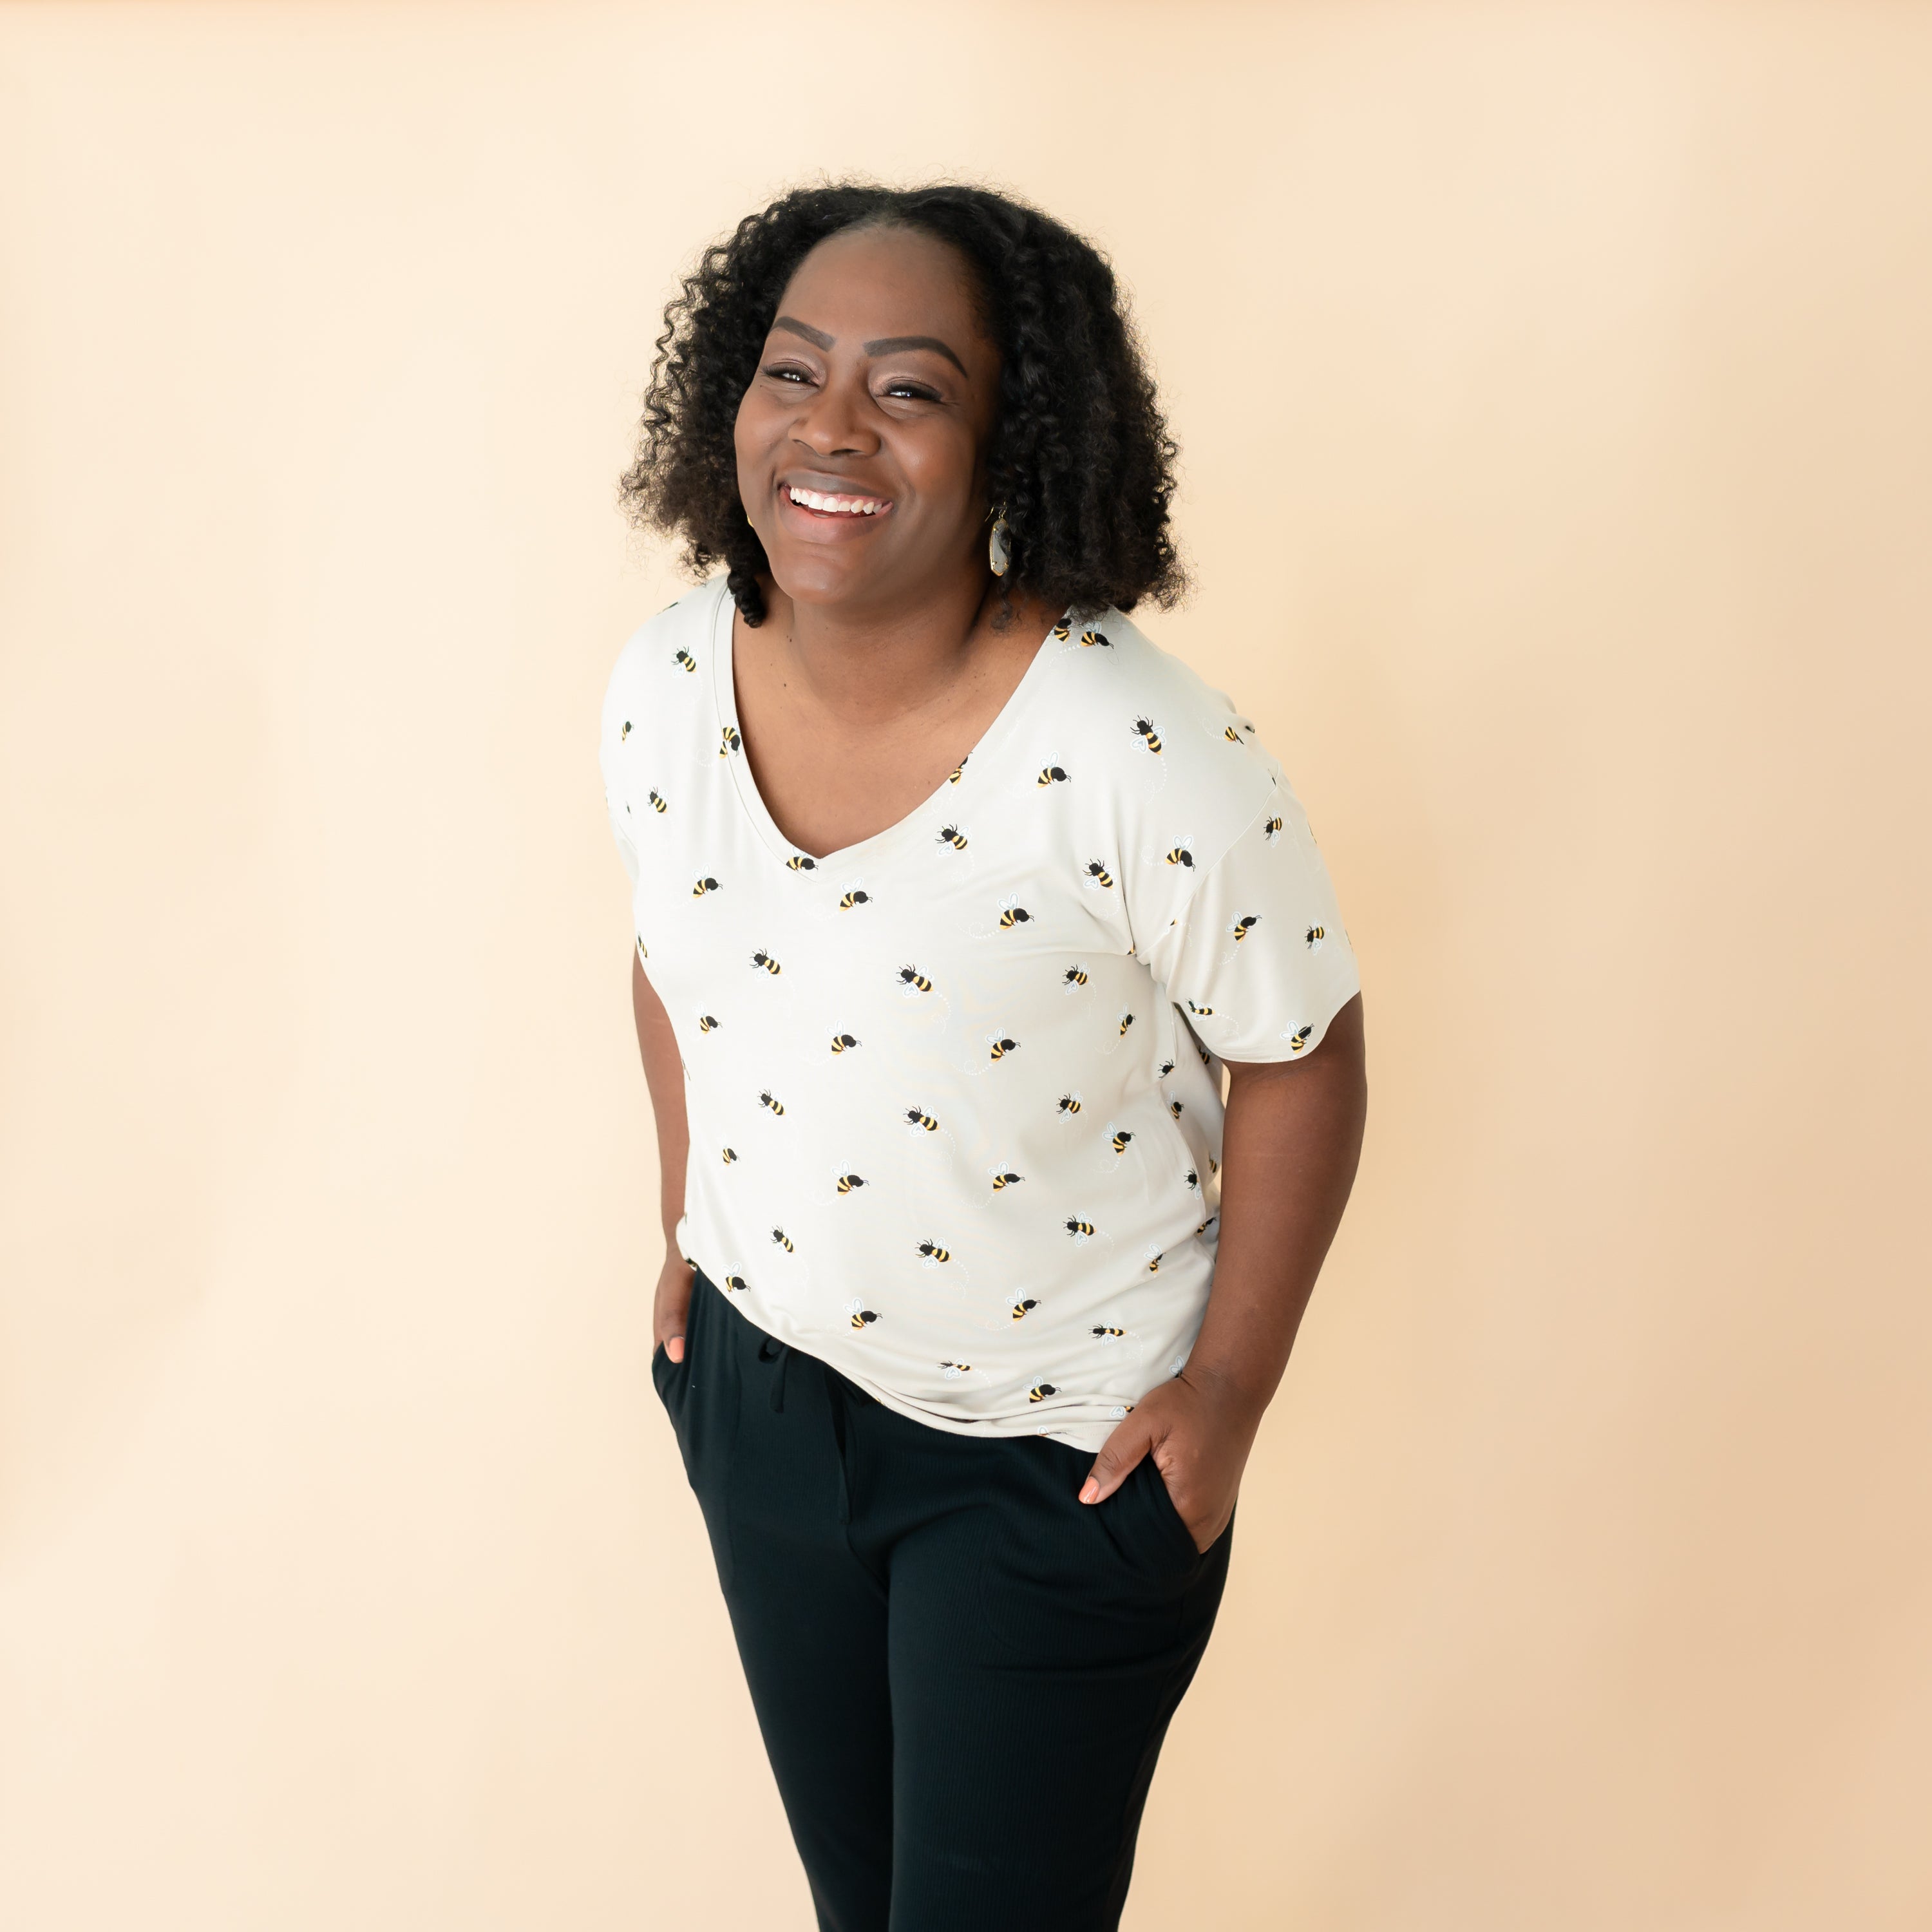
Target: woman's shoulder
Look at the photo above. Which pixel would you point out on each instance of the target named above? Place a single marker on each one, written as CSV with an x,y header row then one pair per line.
x,y
676,641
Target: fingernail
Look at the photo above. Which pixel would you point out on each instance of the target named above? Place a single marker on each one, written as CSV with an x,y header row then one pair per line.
x,y
674,1347
1090,1492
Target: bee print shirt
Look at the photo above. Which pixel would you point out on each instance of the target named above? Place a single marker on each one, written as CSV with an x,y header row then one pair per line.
x,y
954,1092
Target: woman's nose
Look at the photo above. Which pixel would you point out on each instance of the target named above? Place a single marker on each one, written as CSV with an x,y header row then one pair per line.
x,y
833,422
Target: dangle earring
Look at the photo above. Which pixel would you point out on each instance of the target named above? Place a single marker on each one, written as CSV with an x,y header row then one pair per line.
x,y
998,555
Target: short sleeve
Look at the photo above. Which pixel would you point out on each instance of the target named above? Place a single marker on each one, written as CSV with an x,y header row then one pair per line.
x,y
1257,958
615,729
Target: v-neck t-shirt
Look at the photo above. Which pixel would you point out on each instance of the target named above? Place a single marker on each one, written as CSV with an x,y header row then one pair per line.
x,y
954,1091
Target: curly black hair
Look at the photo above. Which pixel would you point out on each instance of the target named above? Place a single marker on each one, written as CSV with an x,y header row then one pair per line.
x,y
1080,454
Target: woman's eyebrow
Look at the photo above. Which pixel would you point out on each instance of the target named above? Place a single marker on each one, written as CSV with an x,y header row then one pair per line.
x,y
886,345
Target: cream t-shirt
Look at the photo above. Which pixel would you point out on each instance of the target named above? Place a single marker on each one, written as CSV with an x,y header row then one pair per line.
x,y
954,1092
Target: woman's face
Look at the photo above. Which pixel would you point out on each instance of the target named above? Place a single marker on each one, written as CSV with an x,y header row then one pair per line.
x,y
861,439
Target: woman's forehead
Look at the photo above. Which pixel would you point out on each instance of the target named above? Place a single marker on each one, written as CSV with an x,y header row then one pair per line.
x,y
885,282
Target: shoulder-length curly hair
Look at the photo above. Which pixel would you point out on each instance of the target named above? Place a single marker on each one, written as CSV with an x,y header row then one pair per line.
x,y
1080,454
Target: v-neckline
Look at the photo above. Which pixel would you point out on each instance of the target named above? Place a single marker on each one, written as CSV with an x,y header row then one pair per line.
x,y
724,692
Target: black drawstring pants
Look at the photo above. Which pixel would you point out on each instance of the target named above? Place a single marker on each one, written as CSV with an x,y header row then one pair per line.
x,y
963,1674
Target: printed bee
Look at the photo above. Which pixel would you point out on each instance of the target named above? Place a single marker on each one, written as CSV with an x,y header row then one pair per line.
x,y
1110,1334
762,957
1315,935
730,743
952,1371
1001,1048
1207,1058
847,1182
1192,1178
1074,975
1099,873
1213,1167
704,886
1174,1108
1053,774
918,1117
861,1314
1203,1011
1245,925
1180,856
1020,1308
706,1023
1271,831
1089,639
766,1100
1144,731
657,803
913,980
730,1156
951,834
644,951
1126,1021
842,1042
856,897
934,1252
1081,1230
1153,1260
625,732
684,658
1166,1068
1207,1224
736,1283
1121,1139
1040,1391
1063,630
1297,1041
1069,1103
1012,914
801,862
1233,737
957,769
1006,1179
784,1241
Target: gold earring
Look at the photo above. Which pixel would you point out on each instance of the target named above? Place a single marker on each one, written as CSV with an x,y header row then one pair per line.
x,y
998,553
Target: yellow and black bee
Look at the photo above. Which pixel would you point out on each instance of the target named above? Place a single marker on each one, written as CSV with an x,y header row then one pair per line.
x,y
730,744
1089,639
1020,1308
1113,1334
706,1022
1174,1108
730,1156
1315,935
856,897
950,1369
736,1283
1143,729
1074,976
1052,775
1081,1230
1063,630
911,977
1233,737
1271,831
1005,1179
1040,1391
1153,1263
843,1042
762,957
1300,1040
703,886
1013,916
1180,856
1069,1103
933,1251
951,834
847,1182
957,769
1166,1068
801,862
1213,1167
860,1316
1192,1178
1099,873
1207,1224
657,803
1204,1011
1207,1058
1002,1047
1121,1139
766,1100
1245,925
784,1241
1126,1021
684,658
917,1116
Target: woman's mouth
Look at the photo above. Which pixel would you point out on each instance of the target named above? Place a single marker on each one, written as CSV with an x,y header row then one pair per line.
x,y
823,503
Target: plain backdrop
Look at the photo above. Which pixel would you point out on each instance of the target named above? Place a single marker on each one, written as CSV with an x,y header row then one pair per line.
x,y
1557,416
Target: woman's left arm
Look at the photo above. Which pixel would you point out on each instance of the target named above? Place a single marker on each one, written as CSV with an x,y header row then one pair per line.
x,y
1289,1147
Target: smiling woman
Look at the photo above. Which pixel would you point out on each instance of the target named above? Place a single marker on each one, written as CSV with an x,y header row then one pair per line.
x,y
974,1290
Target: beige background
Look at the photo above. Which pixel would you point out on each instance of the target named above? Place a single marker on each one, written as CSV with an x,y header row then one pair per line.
x,y
1558,417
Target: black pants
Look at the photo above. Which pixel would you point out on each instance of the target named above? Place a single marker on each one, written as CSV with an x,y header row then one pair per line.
x,y
963,1675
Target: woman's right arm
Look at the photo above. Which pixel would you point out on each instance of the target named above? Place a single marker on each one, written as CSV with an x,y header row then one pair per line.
x,y
663,1074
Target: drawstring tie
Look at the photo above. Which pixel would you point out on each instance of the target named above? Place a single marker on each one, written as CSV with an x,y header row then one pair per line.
x,y
780,1354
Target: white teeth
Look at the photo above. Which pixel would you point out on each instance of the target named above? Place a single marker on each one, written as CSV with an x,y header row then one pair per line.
x,y
843,506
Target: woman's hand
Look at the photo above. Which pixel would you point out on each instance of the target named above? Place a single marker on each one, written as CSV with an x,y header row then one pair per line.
x,y
671,1307
1199,1435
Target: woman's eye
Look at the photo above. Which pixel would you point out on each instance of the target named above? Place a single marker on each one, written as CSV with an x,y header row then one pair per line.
x,y
917,392
787,373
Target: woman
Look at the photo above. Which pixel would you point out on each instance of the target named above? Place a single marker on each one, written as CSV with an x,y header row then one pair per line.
x,y
954,896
